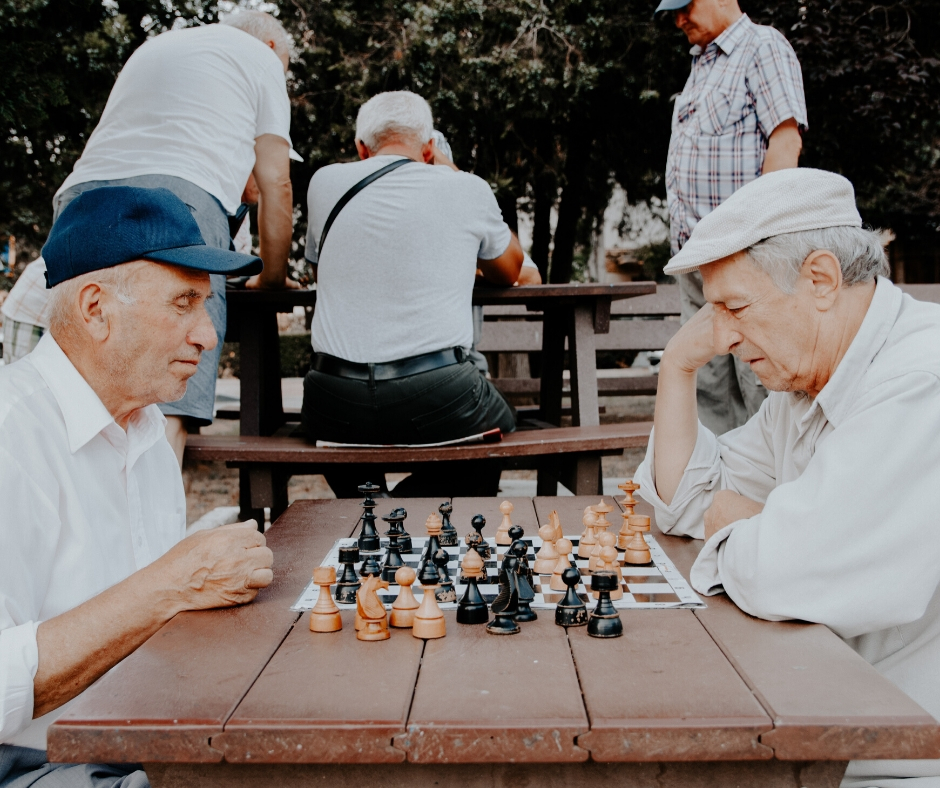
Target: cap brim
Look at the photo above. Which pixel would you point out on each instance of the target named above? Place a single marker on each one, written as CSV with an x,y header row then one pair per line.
x,y
671,5
208,258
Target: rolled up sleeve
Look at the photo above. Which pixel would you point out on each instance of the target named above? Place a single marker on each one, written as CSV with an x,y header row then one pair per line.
x,y
19,661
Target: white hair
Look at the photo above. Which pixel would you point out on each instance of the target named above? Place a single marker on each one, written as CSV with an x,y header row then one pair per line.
x,y
397,114
860,253
63,296
262,26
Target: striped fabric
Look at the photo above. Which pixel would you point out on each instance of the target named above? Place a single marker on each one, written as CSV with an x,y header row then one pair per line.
x,y
743,85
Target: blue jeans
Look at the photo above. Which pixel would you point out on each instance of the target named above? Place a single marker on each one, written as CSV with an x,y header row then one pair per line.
x,y
22,767
198,402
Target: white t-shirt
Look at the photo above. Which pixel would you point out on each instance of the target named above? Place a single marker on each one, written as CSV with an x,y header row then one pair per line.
x,y
190,103
397,275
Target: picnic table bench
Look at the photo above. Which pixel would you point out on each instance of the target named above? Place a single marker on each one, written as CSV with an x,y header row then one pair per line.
x,y
249,696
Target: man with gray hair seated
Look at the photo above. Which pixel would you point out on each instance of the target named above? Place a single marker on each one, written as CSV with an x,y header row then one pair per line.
x,y
823,506
93,559
397,243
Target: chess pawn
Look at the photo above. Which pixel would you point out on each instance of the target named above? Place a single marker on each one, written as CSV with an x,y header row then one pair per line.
x,y
429,620
472,607
325,614
502,533
404,607
571,611
629,502
588,539
546,557
604,621
448,537
445,591
371,611
609,563
563,547
637,551
348,583
626,532
602,510
606,539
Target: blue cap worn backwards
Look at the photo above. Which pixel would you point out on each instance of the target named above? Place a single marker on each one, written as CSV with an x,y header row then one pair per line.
x,y
105,227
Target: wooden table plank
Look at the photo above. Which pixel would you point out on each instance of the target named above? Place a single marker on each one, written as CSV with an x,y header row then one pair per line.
x,y
483,698
170,697
326,698
663,692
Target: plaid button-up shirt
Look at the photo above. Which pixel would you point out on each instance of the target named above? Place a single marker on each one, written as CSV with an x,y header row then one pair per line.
x,y
743,85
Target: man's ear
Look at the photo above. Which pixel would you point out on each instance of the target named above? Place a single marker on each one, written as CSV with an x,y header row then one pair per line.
x,y
822,272
364,152
427,152
93,315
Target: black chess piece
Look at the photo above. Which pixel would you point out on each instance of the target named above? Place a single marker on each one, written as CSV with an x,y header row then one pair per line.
x,y
520,550
368,536
348,582
430,548
370,567
428,574
526,594
516,532
448,537
506,605
571,611
392,562
478,523
472,609
604,621
404,538
445,592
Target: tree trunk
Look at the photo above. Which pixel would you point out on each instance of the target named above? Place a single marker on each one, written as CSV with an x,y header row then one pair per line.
x,y
507,204
569,211
541,224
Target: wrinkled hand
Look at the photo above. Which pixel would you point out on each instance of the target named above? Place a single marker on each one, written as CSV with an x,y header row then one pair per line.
x,y
694,344
256,283
728,507
221,567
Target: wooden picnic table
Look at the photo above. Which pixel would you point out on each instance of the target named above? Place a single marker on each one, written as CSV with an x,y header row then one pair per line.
x,y
575,311
249,696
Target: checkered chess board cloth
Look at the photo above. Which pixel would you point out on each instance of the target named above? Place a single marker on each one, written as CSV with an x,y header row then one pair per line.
x,y
657,585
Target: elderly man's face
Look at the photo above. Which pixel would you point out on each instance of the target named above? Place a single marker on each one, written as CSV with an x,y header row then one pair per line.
x,y
702,21
156,342
775,333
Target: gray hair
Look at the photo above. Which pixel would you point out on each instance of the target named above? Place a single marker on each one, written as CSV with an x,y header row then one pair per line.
x,y
860,252
262,26
62,297
396,114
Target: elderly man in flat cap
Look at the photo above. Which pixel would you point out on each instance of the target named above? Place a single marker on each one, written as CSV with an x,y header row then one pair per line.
x,y
93,558
823,506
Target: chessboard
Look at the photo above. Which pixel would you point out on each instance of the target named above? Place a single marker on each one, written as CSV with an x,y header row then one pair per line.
x,y
656,586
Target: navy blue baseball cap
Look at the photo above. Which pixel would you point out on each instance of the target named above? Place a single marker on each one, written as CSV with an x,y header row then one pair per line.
x,y
671,5
105,227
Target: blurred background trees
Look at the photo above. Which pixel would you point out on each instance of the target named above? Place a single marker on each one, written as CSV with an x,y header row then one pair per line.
x,y
554,103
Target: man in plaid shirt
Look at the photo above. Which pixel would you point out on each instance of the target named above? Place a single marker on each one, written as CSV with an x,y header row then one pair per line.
x,y
740,115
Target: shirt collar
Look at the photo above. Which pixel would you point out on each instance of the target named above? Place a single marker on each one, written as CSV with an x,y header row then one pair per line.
x,y
730,37
83,412
838,395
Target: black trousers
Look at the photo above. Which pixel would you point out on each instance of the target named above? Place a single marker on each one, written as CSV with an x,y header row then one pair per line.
x,y
443,404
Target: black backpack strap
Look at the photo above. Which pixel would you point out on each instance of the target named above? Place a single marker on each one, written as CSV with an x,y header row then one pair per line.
x,y
353,192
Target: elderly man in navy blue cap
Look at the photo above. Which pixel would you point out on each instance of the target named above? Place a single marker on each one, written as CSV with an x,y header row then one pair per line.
x,y
94,558
740,115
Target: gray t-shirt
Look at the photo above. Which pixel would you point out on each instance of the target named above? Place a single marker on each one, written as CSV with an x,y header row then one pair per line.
x,y
397,275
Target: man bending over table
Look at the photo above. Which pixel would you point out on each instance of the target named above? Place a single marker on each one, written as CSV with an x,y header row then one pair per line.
x,y
392,330
93,558
823,507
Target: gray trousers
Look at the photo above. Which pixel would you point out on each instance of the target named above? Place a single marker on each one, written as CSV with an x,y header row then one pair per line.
x,y
198,403
729,393
22,767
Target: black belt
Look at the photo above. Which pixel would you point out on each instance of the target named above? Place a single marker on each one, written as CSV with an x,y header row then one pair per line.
x,y
390,370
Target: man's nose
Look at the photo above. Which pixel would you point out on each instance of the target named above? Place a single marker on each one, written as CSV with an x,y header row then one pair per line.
x,y
203,333
727,334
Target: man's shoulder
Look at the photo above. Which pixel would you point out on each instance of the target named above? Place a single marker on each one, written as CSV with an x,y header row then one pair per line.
x,y
911,345
766,39
24,394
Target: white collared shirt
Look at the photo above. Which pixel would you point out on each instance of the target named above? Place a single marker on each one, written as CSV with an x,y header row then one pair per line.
x,y
84,505
850,481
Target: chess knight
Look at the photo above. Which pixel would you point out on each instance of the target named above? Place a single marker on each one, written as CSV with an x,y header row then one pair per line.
x,y
822,507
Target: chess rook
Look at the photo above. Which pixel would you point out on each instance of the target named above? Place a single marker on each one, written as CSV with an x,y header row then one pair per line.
x,y
404,607
348,583
325,615
637,551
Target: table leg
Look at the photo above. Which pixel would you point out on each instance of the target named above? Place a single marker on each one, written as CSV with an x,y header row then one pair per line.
x,y
766,774
554,330
583,362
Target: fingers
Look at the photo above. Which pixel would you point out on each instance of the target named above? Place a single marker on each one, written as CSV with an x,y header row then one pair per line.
x,y
259,578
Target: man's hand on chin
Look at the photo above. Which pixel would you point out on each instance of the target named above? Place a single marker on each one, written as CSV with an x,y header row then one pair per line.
x,y
728,507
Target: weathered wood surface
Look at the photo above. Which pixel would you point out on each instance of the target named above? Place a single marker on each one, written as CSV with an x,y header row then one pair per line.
x,y
515,336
